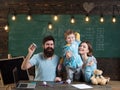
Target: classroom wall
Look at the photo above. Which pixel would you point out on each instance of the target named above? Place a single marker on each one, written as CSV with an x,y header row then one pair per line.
x,y
3,43
110,67
103,36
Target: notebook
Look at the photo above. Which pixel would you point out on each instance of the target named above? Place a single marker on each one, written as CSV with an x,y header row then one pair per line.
x,y
22,85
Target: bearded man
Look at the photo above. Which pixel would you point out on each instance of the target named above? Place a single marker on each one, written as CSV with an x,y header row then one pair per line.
x,y
45,62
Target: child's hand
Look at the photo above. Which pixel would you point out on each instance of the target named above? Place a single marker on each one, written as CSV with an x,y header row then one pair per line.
x,y
68,54
77,36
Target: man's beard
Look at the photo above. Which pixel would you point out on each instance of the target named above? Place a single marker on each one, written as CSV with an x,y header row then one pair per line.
x,y
48,52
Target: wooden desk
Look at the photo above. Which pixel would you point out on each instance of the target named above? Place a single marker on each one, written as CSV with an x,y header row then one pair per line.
x,y
61,86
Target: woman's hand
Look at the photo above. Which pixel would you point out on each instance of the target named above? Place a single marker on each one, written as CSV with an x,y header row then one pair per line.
x,y
90,63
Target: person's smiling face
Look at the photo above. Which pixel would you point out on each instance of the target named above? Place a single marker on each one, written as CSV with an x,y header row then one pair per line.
x,y
83,49
49,48
70,38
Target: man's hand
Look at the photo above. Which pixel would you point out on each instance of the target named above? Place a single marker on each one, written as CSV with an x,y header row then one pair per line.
x,y
59,67
32,48
58,79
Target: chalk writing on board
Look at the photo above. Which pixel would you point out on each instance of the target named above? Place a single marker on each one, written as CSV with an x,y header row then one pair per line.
x,y
89,34
96,37
100,39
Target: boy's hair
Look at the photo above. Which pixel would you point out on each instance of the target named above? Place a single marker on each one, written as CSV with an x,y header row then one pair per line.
x,y
68,32
48,38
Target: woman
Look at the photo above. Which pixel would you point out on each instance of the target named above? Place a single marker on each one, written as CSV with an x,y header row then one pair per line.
x,y
89,61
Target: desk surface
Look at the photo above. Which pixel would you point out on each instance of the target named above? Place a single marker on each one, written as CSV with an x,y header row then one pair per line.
x,y
63,86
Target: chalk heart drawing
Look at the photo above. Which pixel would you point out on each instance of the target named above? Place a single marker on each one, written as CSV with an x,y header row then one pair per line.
x,y
88,6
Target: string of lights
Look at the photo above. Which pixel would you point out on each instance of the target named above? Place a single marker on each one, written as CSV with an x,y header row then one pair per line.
x,y
72,18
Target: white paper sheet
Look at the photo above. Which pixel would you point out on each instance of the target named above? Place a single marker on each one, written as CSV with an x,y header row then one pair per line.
x,y
82,86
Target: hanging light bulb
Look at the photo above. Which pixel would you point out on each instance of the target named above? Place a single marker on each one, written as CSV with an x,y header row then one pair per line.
x,y
6,27
29,17
50,26
72,20
55,17
101,18
87,19
14,17
113,19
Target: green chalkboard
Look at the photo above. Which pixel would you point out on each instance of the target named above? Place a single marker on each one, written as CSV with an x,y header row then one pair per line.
x,y
105,37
